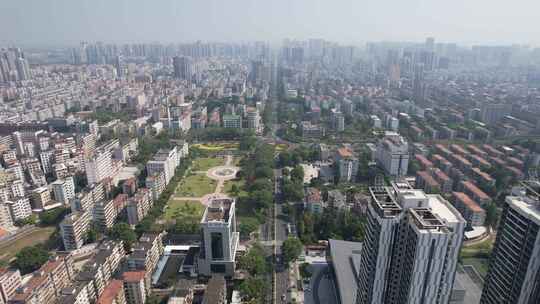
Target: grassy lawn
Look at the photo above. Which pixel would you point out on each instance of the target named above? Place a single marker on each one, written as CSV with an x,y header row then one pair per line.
x,y
481,265
38,236
177,209
216,147
196,185
236,161
203,164
227,187
484,248
281,147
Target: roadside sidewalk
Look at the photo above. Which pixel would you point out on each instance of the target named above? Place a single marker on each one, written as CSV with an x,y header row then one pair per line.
x,y
294,277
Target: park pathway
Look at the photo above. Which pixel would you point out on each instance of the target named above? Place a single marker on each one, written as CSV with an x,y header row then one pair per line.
x,y
218,191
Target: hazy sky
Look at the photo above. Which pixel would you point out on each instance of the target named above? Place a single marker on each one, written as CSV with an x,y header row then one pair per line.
x,y
352,21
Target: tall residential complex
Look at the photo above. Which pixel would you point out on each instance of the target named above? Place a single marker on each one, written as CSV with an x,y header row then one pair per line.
x,y
99,167
411,248
514,268
220,238
166,161
393,154
74,228
64,190
183,68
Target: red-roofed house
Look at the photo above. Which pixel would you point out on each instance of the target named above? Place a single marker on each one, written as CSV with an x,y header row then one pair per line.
x,y
423,161
475,193
427,183
113,293
469,209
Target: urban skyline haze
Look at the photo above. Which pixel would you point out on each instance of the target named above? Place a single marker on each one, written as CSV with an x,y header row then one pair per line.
x,y
465,22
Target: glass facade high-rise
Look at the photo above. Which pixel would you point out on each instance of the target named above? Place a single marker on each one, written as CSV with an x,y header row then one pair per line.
x,y
514,270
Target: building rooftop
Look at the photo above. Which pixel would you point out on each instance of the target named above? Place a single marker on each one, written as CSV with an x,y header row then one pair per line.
x,y
110,292
426,219
345,152
218,210
527,206
345,259
467,201
474,189
444,209
133,276
384,202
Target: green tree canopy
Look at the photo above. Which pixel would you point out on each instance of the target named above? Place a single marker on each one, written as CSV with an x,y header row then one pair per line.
x,y
254,261
297,174
252,289
292,248
123,232
29,259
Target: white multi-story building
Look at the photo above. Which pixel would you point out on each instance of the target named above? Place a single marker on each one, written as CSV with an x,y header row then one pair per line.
x,y
41,197
47,159
347,165
220,238
99,167
17,188
156,184
74,228
253,119
166,161
104,214
393,154
6,220
85,200
138,206
411,249
10,281
64,190
20,208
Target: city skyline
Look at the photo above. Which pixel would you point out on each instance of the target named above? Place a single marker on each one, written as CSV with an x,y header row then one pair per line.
x,y
355,22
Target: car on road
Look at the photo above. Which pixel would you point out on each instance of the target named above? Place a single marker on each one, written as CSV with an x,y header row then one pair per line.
x,y
283,297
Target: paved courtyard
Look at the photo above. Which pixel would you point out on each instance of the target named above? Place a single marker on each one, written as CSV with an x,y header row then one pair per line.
x,y
321,288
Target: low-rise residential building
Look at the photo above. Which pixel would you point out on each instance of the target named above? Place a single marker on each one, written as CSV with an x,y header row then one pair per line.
x,y
337,200
426,182
313,201
469,209
474,192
